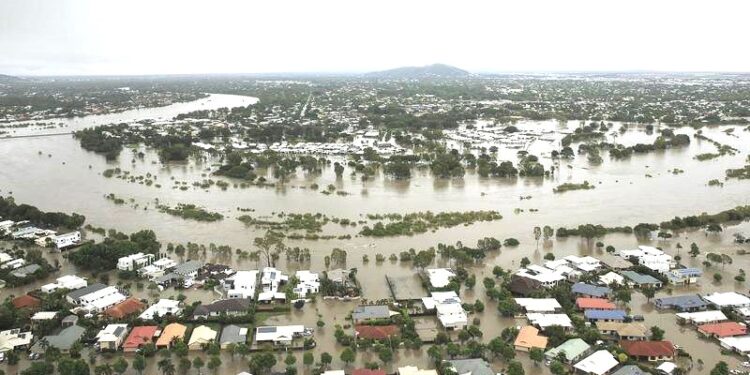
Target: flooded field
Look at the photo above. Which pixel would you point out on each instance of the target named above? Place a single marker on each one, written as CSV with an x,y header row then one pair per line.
x,y
55,174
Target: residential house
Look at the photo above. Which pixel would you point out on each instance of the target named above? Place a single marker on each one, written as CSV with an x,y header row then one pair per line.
x,y
573,350
651,351
723,329
307,283
642,280
539,305
588,303
684,303
125,308
135,261
170,333
367,313
611,278
523,286
632,331
165,307
25,271
630,370
544,321
201,337
229,307
471,366
585,264
439,277
63,340
69,282
232,334
529,338
376,332
413,370
64,241
14,339
26,302
739,344
279,335
546,277
452,315
138,337
702,317
271,279
241,285
599,363
605,315
112,336
684,276
96,297
727,299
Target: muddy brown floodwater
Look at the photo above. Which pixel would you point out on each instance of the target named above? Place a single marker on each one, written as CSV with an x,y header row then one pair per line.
x,y
55,174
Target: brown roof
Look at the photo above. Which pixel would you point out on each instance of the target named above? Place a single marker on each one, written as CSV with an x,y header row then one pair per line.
x,y
127,307
648,348
376,332
529,337
631,329
26,302
364,371
523,285
171,332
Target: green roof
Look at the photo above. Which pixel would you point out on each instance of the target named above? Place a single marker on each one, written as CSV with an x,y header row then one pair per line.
x,y
573,349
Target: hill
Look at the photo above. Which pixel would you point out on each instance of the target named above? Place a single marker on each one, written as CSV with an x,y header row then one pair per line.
x,y
420,72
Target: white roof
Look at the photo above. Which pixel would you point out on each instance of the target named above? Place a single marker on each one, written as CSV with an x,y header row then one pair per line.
x,y
598,363
334,372
728,299
109,332
278,333
538,304
549,320
611,277
699,317
161,308
413,370
440,277
667,367
202,335
738,343
12,338
44,315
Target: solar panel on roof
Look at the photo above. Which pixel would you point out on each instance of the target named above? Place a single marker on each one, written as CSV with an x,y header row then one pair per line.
x,y
266,329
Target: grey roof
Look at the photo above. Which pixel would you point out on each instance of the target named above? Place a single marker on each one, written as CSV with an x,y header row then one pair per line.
x,y
188,267
371,312
70,319
338,275
63,340
165,278
630,370
26,270
688,301
78,293
473,366
223,305
231,334
590,290
640,278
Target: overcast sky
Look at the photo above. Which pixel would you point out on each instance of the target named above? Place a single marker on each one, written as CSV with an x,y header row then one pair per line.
x,y
60,37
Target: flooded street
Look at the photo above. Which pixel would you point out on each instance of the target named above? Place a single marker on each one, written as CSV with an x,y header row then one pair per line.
x,y
55,174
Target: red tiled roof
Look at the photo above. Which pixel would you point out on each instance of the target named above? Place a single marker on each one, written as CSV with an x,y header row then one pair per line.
x,y
584,303
376,332
127,307
139,336
648,348
723,329
364,371
26,302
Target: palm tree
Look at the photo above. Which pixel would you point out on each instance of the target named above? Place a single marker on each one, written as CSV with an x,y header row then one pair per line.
x,y
166,366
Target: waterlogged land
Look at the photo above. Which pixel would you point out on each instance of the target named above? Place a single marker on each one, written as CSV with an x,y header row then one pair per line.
x,y
614,179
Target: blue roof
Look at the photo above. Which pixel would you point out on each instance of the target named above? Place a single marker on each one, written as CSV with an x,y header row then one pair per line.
x,y
590,290
605,314
640,278
683,302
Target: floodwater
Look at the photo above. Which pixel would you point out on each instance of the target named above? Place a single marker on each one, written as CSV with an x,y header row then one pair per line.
x,y
54,173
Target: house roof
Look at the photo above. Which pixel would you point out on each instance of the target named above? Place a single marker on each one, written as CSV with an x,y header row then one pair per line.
x,y
140,336
727,299
594,303
630,370
640,278
364,371
572,348
223,305
63,340
78,293
187,267
662,348
598,363
738,343
529,337
538,304
684,302
170,332
26,302
605,314
233,334
127,307
473,366
700,317
523,285
371,312
202,335
631,329
590,290
376,332
723,329
549,320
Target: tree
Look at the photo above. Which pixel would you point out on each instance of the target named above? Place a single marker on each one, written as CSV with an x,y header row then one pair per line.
x,y
184,365
70,366
536,355
270,245
623,295
347,355
166,366
326,358
721,368
657,334
385,354
537,236
515,368
139,363
694,251
548,232
525,262
557,368
214,363
120,365
435,353
104,369
649,292
718,277
198,364
308,359
290,360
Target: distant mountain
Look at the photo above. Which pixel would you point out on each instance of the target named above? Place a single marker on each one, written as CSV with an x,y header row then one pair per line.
x,y
420,72
8,79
